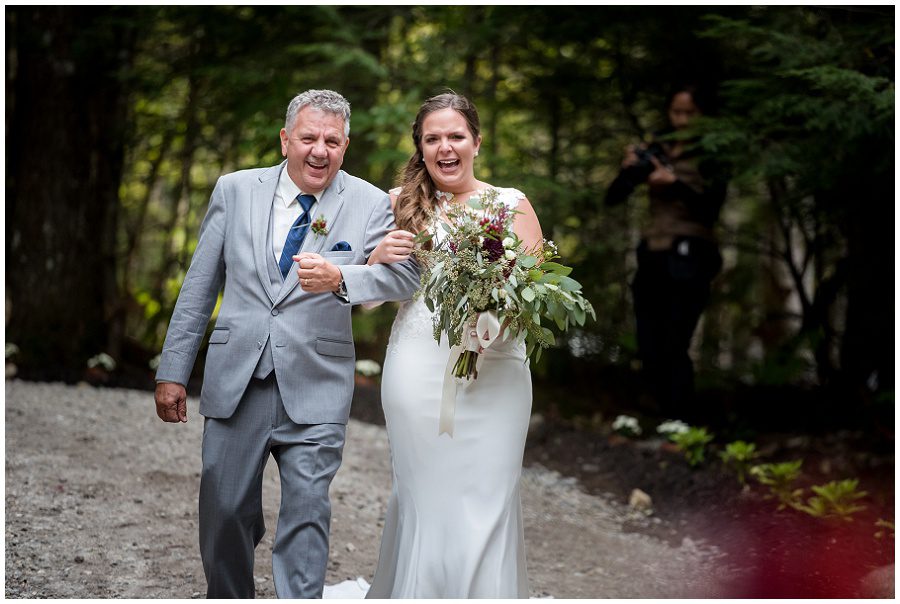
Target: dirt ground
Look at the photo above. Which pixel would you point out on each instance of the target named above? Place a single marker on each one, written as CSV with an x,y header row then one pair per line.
x,y
101,501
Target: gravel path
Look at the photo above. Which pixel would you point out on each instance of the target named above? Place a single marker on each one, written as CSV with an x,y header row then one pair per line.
x,y
101,501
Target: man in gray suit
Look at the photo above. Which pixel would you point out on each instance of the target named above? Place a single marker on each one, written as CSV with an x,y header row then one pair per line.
x,y
290,244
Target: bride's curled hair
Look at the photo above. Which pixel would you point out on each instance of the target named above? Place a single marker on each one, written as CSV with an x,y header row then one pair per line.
x,y
416,202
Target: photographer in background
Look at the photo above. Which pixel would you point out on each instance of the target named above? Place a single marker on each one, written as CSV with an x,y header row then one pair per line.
x,y
678,255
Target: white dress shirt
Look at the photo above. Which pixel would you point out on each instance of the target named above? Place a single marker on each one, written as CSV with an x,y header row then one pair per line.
x,y
285,210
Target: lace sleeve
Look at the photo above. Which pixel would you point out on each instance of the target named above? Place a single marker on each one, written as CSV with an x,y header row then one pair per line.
x,y
511,197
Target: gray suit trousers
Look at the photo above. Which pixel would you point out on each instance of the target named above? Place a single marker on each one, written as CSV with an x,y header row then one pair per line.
x,y
235,452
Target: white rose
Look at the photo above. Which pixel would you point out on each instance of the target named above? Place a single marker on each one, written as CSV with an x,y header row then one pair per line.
x,y
509,242
510,255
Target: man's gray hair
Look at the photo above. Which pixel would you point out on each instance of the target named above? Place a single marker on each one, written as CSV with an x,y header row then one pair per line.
x,y
328,101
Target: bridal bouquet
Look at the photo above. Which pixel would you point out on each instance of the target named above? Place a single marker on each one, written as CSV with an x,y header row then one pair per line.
x,y
482,282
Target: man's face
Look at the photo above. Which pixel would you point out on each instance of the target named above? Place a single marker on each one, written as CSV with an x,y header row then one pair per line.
x,y
314,149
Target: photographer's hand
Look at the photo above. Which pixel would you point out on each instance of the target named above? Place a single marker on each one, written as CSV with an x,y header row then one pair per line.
x,y
631,157
662,175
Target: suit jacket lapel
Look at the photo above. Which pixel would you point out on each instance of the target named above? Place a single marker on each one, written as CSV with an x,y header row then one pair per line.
x,y
329,206
261,195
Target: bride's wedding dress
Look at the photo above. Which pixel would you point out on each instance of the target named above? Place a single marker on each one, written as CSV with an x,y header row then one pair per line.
x,y
454,522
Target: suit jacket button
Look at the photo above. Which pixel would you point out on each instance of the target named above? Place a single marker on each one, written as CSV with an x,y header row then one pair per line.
x,y
258,345
274,312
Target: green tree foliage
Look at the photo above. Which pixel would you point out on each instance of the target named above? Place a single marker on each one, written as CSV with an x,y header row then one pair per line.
x,y
808,125
805,123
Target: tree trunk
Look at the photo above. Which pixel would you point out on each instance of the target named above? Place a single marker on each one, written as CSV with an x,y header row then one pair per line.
x,y
867,350
66,142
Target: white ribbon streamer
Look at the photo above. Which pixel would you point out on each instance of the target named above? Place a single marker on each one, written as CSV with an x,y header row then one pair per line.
x,y
486,330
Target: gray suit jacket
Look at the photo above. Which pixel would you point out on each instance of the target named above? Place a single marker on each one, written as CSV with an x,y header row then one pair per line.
x,y
311,337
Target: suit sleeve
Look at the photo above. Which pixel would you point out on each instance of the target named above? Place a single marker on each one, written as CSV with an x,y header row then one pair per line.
x,y
198,295
380,282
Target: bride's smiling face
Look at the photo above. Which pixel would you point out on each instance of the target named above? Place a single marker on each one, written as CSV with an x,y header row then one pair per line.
x,y
449,148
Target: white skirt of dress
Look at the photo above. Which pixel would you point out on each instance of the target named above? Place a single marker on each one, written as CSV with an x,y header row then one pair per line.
x,y
454,520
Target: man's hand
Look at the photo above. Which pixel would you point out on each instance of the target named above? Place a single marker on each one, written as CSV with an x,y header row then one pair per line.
x,y
395,247
317,275
171,402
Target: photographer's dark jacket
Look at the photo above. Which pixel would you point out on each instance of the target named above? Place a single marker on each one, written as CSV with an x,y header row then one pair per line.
x,y
687,208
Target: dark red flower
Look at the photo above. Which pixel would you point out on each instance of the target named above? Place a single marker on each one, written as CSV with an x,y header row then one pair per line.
x,y
493,248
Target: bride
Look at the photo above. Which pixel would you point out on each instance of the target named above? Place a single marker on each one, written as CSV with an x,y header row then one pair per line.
x,y
454,519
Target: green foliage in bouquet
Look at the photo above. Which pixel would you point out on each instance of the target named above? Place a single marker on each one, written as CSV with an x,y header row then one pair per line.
x,y
482,266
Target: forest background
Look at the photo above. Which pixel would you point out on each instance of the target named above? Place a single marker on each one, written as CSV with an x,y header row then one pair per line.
x,y
119,120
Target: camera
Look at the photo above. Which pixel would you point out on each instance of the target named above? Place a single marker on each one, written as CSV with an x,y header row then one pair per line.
x,y
632,176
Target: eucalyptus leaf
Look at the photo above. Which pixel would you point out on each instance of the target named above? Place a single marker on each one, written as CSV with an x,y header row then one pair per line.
x,y
579,315
549,336
562,323
551,278
553,267
552,307
569,284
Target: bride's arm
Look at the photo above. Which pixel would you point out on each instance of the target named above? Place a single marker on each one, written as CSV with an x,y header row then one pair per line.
x,y
527,226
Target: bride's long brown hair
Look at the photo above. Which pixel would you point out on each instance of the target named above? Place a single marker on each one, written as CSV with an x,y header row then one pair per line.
x,y
416,202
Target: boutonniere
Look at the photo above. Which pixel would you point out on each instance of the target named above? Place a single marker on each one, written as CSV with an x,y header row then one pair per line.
x,y
320,226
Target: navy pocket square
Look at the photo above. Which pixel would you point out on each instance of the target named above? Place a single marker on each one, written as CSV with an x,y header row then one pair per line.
x,y
341,246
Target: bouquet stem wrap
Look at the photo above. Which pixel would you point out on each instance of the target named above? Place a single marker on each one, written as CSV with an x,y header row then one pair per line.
x,y
479,337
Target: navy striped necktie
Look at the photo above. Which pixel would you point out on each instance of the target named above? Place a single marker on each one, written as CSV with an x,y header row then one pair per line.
x,y
296,234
